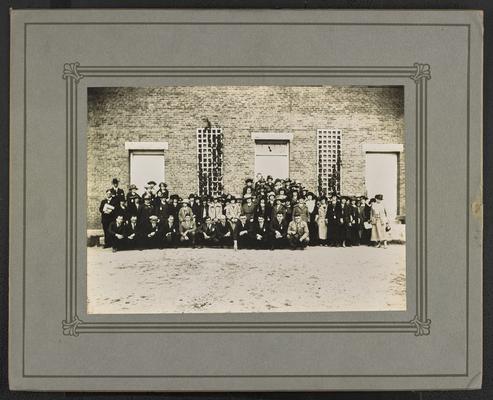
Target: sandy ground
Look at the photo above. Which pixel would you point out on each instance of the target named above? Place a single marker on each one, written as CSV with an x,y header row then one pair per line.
x,y
222,280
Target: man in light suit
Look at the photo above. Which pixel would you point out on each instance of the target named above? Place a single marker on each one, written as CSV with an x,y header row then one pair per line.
x,y
298,234
187,231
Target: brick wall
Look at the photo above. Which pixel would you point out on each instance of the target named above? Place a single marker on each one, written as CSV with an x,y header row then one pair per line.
x,y
172,114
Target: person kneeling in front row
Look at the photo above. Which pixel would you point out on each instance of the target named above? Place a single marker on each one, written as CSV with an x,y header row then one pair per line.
x,y
187,231
298,236
241,233
224,232
116,231
279,230
208,235
132,234
170,235
259,234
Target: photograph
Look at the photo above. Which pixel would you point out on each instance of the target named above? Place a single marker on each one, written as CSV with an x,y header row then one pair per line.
x,y
245,199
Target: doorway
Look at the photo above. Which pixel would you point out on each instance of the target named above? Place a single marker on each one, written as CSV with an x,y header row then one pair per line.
x,y
382,177
272,158
145,166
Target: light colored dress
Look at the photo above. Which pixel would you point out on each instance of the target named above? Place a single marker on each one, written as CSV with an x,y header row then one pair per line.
x,y
321,221
378,220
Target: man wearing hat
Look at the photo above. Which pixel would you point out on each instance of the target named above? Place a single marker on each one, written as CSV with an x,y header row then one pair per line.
x,y
107,209
380,222
278,207
131,196
184,211
147,210
117,193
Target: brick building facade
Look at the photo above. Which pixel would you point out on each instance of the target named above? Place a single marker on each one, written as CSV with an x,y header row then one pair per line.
x,y
123,121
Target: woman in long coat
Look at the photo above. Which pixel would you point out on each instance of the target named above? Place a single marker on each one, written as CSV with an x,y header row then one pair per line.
x,y
311,204
321,219
379,222
334,220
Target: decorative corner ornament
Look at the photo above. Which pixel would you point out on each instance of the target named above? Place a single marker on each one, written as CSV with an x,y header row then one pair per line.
x,y
422,71
422,327
70,328
71,70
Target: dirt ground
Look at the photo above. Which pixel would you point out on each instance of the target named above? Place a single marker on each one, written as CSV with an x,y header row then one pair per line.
x,y
222,280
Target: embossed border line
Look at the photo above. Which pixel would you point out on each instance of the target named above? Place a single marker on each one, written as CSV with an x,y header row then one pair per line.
x,y
73,72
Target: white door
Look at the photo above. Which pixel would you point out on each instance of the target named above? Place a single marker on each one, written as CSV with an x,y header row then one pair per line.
x,y
146,166
381,177
272,158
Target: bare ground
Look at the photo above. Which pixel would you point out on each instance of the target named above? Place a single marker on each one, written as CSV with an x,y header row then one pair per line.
x,y
222,280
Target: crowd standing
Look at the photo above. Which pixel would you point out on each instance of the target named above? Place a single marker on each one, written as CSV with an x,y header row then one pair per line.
x,y
269,214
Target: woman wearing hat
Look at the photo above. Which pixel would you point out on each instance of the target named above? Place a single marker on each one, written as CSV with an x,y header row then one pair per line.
x,y
311,204
233,209
162,191
321,219
379,222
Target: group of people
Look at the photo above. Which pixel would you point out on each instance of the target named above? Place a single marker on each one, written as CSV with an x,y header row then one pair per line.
x,y
270,214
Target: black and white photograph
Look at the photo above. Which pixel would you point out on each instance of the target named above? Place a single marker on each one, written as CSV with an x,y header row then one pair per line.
x,y
245,199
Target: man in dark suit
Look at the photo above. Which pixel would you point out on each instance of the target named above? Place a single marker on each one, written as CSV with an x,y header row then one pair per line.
x,y
107,209
147,211
279,231
259,233
224,232
117,193
131,196
132,234
241,238
151,233
278,207
207,233
169,232
116,230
